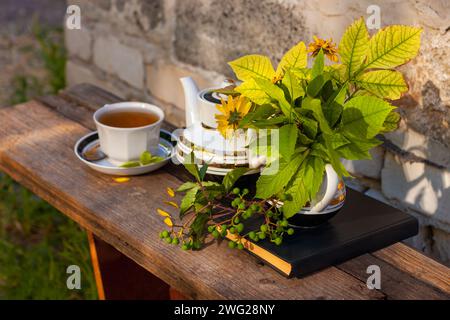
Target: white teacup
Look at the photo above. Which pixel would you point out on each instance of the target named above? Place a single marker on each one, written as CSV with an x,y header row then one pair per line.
x,y
127,144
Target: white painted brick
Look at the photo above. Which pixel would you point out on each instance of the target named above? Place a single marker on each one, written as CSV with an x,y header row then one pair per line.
x,y
79,43
116,58
418,186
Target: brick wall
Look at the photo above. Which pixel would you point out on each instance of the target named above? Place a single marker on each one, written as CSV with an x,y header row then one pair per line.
x,y
139,49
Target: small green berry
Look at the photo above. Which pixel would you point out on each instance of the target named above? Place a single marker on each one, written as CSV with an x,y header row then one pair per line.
x,y
284,223
184,247
231,244
252,235
263,228
233,230
240,227
175,241
168,240
261,235
245,191
165,233
278,241
236,191
241,206
290,231
211,229
161,235
236,220
240,246
215,234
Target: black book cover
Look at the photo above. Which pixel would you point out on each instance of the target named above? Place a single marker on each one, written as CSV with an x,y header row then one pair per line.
x,y
362,225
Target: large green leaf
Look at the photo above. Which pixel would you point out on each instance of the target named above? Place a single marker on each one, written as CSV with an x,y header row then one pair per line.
x,y
393,46
231,177
383,83
269,184
353,46
315,106
252,66
364,116
318,65
188,200
288,139
305,185
253,91
260,112
276,94
296,57
292,84
358,149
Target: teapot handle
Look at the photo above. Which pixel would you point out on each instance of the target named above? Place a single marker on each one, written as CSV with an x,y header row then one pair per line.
x,y
332,181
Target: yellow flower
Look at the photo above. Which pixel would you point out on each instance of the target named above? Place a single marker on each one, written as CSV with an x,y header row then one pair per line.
x,y
232,112
327,46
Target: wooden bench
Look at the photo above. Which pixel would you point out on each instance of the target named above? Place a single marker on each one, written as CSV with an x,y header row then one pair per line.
x,y
130,261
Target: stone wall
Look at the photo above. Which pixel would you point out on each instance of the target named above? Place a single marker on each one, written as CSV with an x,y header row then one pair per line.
x,y
139,49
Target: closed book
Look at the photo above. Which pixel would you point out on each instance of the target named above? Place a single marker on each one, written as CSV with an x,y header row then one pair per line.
x,y
362,225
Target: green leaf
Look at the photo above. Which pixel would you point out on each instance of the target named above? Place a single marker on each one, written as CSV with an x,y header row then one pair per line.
x,y
354,45
192,168
269,184
293,86
252,66
309,126
338,140
296,57
130,164
198,227
316,85
276,94
288,139
315,106
188,200
187,186
145,158
298,192
313,175
301,73
260,112
391,122
202,171
393,46
274,121
317,68
334,158
358,149
231,177
253,91
383,83
363,116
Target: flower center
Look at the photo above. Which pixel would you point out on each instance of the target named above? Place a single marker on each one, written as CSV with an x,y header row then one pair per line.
x,y
234,117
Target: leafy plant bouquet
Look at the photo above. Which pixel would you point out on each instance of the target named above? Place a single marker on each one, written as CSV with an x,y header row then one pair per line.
x,y
324,113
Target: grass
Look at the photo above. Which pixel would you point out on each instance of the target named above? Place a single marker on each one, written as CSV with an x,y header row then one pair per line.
x,y
38,243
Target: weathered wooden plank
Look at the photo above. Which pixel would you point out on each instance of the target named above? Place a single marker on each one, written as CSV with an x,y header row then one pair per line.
x,y
417,265
36,149
395,283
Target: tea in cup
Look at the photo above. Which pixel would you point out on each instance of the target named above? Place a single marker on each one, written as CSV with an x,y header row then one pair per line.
x,y
127,129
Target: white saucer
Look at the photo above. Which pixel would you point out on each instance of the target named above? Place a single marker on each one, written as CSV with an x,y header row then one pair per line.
x,y
165,150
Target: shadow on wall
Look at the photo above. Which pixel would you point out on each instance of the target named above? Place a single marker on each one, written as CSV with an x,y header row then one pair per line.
x,y
419,182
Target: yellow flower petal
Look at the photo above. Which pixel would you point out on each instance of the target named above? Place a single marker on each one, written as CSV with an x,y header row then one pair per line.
x,y
121,179
163,213
170,192
171,203
168,221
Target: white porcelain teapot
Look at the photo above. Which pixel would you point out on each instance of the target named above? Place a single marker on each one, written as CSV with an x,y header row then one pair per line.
x,y
200,105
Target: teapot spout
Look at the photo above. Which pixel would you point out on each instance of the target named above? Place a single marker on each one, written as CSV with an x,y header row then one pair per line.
x,y
190,97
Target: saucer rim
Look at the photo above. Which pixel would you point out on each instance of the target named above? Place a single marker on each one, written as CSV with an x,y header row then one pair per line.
x,y
121,169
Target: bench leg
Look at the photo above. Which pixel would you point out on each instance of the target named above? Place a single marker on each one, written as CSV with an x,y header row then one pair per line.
x,y
119,277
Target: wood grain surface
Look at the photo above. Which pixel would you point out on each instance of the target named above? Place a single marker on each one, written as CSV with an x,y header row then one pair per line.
x,y
36,149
